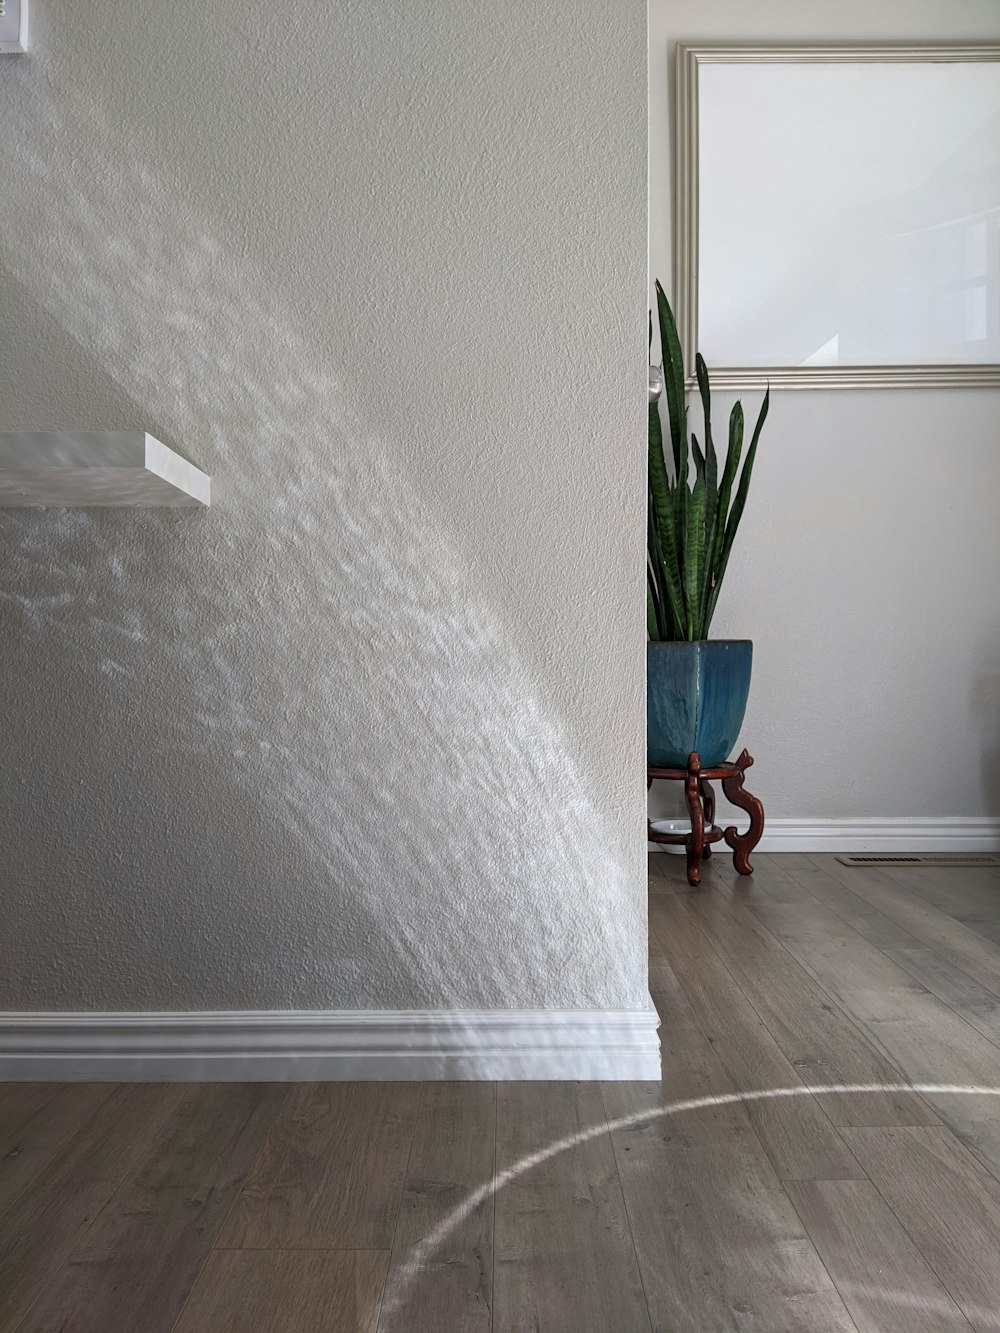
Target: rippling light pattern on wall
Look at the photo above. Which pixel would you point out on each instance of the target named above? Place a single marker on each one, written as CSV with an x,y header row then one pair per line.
x,y
299,762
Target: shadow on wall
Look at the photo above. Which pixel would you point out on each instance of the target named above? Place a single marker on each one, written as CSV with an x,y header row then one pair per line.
x,y
279,754
986,711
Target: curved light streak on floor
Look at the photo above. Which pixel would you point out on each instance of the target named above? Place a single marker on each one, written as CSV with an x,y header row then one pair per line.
x,y
394,1303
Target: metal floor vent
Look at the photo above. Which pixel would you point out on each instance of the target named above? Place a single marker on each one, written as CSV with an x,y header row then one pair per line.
x,y
887,859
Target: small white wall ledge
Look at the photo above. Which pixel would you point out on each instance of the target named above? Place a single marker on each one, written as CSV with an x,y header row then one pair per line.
x,y
87,468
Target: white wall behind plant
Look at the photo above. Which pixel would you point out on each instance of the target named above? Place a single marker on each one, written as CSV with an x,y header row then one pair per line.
x,y
867,569
368,733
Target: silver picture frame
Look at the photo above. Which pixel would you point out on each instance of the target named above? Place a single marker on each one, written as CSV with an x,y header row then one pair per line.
x,y
688,62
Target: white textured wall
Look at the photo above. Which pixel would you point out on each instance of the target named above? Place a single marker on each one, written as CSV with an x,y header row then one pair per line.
x,y
369,732
867,569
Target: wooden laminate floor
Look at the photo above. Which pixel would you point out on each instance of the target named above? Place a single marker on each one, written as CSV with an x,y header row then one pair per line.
x,y
865,1196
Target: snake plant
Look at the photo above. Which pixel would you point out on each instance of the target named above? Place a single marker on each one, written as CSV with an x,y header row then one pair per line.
x,y
691,527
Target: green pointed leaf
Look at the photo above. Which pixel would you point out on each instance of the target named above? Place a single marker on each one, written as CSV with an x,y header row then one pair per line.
x,y
683,498
733,452
663,526
699,457
739,502
656,578
712,489
694,557
711,460
673,376
652,626
733,521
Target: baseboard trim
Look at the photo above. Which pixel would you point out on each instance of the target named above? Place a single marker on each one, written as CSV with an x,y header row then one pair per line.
x,y
945,834
280,1046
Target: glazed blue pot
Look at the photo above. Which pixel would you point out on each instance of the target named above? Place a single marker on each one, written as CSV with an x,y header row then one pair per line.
x,y
696,695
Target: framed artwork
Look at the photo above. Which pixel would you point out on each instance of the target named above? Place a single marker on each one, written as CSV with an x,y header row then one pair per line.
x,y
837,214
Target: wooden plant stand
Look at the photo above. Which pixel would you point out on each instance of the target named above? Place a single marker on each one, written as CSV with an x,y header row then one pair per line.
x,y
701,806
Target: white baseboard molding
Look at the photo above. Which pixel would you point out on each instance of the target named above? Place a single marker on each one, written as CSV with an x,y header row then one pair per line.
x,y
279,1046
944,834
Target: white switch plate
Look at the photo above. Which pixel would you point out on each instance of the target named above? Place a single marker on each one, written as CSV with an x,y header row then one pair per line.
x,y
13,27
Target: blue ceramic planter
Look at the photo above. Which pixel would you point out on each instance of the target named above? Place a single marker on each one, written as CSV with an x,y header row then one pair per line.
x,y
696,695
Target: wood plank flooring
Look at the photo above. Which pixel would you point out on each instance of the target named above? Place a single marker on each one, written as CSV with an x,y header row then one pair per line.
x,y
688,1204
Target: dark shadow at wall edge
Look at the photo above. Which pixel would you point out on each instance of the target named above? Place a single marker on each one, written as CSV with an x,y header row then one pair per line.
x,y
985,702
288,721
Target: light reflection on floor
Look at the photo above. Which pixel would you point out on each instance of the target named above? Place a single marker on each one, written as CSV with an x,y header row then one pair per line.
x,y
394,1313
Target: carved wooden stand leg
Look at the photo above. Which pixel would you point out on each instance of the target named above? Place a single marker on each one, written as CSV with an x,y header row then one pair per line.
x,y
708,801
743,843
696,838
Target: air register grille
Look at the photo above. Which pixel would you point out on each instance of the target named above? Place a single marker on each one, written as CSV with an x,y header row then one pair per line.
x,y
957,860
